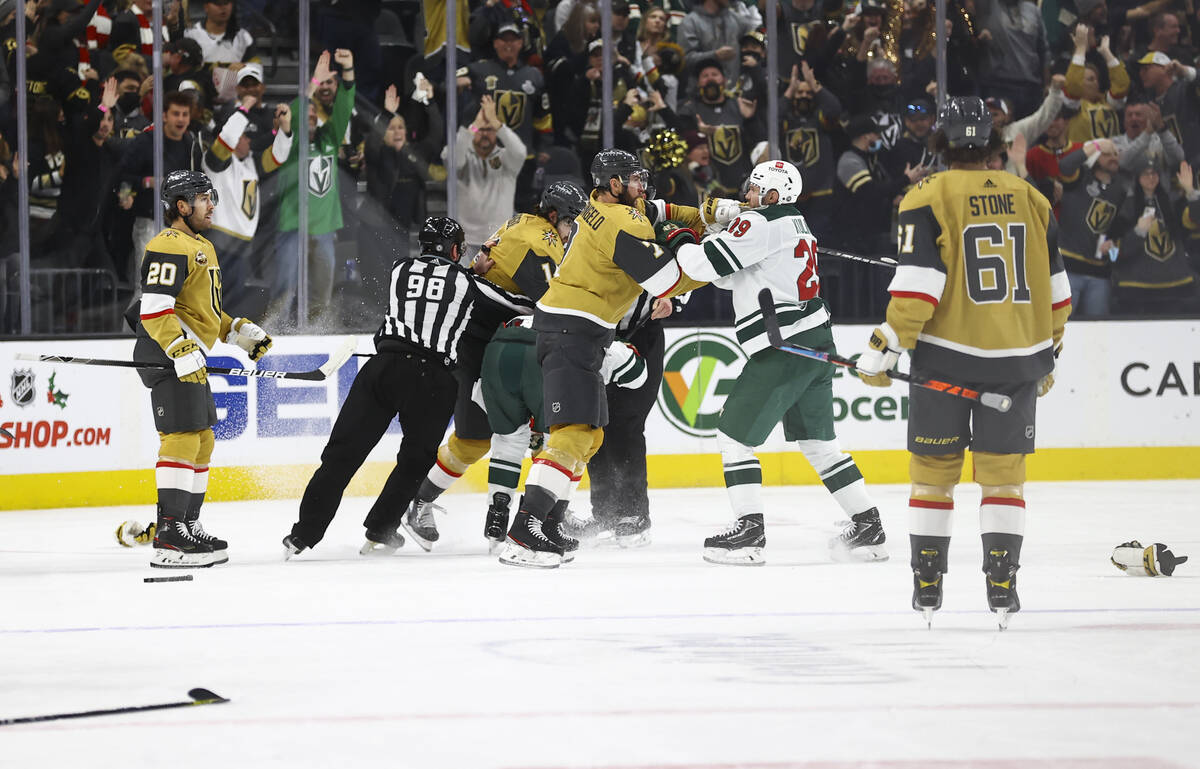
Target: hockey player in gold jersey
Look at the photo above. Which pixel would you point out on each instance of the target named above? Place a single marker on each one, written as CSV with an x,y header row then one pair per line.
x,y
180,319
514,267
980,296
611,259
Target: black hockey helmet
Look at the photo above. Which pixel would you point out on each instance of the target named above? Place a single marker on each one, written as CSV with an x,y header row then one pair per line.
x,y
965,121
614,163
185,185
438,234
564,197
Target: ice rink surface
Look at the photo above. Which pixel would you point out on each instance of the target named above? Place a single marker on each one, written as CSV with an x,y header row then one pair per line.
x,y
629,659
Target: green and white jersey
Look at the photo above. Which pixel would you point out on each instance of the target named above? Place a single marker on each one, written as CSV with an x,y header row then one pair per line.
x,y
769,247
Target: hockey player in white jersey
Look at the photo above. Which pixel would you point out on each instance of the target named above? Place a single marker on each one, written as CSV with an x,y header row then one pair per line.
x,y
770,246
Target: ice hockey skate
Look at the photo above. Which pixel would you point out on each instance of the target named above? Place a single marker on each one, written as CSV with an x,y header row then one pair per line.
x,y
218,545
632,531
495,524
861,539
381,543
553,529
176,548
527,545
591,532
293,545
132,533
927,582
739,545
1001,579
419,523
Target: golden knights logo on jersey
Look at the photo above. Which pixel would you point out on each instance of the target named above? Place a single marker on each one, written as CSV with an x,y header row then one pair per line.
x,y
799,37
320,175
1100,215
1104,122
249,197
725,143
804,146
1159,243
510,107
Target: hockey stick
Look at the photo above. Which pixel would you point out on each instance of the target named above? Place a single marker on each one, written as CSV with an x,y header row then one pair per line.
x,y
199,697
997,401
885,261
336,360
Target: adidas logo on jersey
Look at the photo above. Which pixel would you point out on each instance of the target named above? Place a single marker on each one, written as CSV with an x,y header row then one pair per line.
x,y
988,183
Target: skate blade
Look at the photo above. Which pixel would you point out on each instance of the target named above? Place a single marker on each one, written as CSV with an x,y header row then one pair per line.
x,y
173,559
633,540
865,554
928,612
376,550
425,544
515,555
746,556
1002,617
494,546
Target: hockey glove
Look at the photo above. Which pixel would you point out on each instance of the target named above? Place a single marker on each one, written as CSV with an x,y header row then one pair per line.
x,y
672,235
1133,558
1046,382
718,212
249,337
881,356
189,361
132,533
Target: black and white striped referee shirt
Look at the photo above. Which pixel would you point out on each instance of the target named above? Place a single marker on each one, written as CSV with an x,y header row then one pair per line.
x,y
430,304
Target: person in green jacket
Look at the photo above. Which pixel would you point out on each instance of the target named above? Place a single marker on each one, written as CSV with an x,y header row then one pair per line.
x,y
325,135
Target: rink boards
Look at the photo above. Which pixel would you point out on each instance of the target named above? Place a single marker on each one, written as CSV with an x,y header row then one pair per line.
x,y
1124,407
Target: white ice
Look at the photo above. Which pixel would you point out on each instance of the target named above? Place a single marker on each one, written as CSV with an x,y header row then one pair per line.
x,y
623,659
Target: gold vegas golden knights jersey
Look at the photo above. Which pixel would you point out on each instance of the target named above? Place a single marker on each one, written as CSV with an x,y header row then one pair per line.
x,y
980,291
181,290
589,284
526,251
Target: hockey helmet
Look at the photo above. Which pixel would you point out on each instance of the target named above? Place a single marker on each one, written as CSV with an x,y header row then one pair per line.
x,y
965,121
564,197
185,185
617,164
778,175
438,234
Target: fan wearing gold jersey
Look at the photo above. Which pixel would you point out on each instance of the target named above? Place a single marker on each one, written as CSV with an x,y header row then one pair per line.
x,y
611,260
180,319
514,268
979,296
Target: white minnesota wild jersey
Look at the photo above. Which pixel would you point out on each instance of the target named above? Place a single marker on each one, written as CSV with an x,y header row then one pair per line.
x,y
769,247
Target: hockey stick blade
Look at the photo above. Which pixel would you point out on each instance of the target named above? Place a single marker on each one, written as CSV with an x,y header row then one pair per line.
x,y
997,401
335,362
198,697
883,261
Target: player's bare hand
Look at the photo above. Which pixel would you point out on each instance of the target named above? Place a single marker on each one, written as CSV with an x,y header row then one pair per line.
x,y
661,309
483,260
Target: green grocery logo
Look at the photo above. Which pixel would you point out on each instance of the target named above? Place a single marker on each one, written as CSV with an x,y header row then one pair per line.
x,y
698,372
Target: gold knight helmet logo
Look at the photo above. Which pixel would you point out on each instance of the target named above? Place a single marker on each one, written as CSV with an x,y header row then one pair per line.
x,y
1104,122
1100,215
726,144
510,107
804,146
1159,243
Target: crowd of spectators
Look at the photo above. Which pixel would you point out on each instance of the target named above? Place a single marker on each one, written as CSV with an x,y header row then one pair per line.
x,y
1098,100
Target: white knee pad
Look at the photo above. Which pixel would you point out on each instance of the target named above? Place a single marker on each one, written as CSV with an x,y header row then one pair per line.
x,y
733,452
822,455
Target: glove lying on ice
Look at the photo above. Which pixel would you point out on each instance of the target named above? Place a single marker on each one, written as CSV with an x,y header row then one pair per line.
x,y
1153,560
132,533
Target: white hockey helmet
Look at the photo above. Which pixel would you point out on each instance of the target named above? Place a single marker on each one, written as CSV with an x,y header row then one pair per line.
x,y
778,175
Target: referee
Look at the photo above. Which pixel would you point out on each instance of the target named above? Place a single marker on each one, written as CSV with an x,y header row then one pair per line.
x,y
409,377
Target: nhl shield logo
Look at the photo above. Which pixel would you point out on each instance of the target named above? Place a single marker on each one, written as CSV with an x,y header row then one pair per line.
x,y
804,146
22,386
1100,215
726,144
510,107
